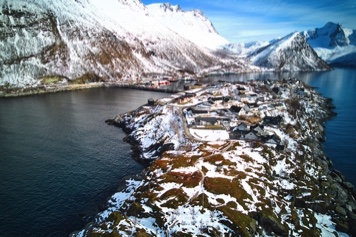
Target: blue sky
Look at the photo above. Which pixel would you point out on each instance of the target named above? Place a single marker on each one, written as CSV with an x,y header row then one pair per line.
x,y
249,20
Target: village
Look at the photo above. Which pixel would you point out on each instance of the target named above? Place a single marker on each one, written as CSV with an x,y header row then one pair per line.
x,y
252,111
247,152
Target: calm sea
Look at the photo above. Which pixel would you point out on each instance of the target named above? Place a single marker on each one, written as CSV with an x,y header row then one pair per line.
x,y
59,161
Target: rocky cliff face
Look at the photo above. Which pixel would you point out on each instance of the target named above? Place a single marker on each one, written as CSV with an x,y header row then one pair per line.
x,y
290,53
334,44
109,40
330,35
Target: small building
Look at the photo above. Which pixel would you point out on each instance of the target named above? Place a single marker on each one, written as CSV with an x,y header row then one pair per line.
x,y
241,127
238,134
278,105
252,96
236,92
206,121
260,99
215,98
272,141
241,88
190,94
199,110
251,136
235,109
226,99
253,105
246,108
185,98
258,129
280,147
269,120
276,90
226,124
151,102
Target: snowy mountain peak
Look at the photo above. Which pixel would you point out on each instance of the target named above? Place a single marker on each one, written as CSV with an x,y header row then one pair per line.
x,y
169,7
333,35
245,49
131,3
290,53
192,25
334,43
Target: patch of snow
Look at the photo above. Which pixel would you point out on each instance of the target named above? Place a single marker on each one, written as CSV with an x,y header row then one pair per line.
x,y
192,25
326,226
118,199
210,135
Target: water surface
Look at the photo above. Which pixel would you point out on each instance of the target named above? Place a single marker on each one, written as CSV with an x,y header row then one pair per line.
x,y
59,161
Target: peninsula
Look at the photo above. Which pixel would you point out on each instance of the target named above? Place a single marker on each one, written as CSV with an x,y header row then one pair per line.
x,y
231,159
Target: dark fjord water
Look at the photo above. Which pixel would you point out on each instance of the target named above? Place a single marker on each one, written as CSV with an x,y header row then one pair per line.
x,y
340,144
59,160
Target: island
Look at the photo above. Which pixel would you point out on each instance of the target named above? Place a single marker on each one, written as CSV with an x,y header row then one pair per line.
x,y
231,159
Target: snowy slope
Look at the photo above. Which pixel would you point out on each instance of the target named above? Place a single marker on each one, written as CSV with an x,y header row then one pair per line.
x,y
192,25
95,40
334,44
245,49
290,53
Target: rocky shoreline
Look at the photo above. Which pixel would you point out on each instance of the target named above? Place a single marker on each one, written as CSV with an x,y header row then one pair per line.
x,y
19,92
55,88
237,187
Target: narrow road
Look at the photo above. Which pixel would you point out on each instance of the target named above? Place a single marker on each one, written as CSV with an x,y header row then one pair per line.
x,y
185,127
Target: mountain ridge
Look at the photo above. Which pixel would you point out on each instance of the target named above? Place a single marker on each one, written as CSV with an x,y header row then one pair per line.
x,y
69,40
334,44
187,27
290,53
78,41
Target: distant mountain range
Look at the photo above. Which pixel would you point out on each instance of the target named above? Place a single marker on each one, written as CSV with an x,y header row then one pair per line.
x,y
61,41
334,44
290,53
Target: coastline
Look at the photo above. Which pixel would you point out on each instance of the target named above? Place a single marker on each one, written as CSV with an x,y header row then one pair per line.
x,y
73,87
38,91
303,176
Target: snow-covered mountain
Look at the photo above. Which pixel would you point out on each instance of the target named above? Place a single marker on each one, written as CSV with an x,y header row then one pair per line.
x,y
245,49
333,43
192,25
112,40
57,41
290,53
